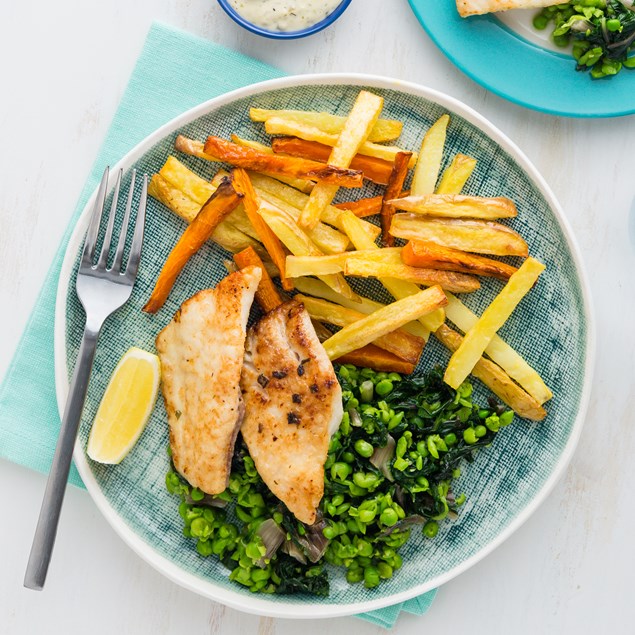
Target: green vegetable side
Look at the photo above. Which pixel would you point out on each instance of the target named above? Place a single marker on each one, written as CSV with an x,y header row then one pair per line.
x,y
388,474
602,32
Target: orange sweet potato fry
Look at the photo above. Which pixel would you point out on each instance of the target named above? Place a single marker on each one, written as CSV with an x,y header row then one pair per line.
x,y
374,169
371,356
272,243
418,253
395,183
267,295
366,206
250,159
224,200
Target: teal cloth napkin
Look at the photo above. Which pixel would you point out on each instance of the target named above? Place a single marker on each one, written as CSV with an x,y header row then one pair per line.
x,y
175,72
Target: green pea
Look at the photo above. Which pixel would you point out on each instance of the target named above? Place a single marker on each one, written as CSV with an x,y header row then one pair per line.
x,y
492,423
354,575
480,431
431,529
204,547
384,387
432,448
506,418
366,516
363,448
395,421
614,25
389,517
255,551
450,439
422,481
367,481
340,471
371,577
469,436
258,575
401,464
366,391
460,499
384,570
628,63
394,377
200,528
356,490
349,457
540,22
364,548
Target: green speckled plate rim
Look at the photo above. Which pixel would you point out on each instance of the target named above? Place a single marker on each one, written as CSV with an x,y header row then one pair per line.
x,y
258,605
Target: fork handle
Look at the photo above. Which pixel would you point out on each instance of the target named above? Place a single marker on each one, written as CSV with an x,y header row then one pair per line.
x,y
46,529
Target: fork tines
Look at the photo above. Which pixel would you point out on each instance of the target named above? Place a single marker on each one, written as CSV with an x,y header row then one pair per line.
x,y
88,255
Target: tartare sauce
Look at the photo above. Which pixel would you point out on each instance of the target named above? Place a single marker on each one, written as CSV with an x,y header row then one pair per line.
x,y
284,15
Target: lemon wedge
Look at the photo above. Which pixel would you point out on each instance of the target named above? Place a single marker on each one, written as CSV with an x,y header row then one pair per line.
x,y
125,407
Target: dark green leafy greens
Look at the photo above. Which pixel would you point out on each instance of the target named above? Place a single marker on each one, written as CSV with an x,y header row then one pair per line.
x,y
389,469
602,32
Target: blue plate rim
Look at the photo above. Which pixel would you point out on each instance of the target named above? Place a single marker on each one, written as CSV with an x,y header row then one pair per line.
x,y
257,605
465,50
284,35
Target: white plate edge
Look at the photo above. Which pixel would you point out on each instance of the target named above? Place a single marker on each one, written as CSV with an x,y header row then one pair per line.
x,y
254,604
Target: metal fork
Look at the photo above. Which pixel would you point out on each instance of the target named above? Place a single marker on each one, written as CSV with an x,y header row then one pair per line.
x,y
101,290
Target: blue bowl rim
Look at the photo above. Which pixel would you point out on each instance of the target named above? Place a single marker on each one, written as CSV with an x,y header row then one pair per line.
x,y
284,35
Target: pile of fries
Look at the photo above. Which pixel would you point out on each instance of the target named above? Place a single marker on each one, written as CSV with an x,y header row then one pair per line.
x,y
276,209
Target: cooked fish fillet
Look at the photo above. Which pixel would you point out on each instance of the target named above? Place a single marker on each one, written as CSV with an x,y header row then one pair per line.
x,y
201,353
477,7
293,404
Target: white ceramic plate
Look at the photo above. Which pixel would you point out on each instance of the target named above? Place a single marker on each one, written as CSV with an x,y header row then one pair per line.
x,y
501,496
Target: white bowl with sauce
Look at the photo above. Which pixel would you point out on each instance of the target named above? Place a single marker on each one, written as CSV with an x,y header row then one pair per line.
x,y
284,19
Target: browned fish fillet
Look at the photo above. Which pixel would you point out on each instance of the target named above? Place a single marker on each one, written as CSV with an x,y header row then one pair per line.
x,y
293,404
201,353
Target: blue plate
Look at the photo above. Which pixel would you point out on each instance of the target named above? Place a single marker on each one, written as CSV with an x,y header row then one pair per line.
x,y
524,73
553,330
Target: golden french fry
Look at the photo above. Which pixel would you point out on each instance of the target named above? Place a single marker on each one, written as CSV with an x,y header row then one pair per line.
x,y
387,263
500,352
430,157
297,242
277,126
326,238
384,321
399,289
480,335
300,266
315,287
417,253
182,178
331,215
193,148
383,130
495,378
457,206
301,184
478,236
398,342
359,123
456,175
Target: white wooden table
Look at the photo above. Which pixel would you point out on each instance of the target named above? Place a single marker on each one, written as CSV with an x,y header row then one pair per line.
x,y
567,570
